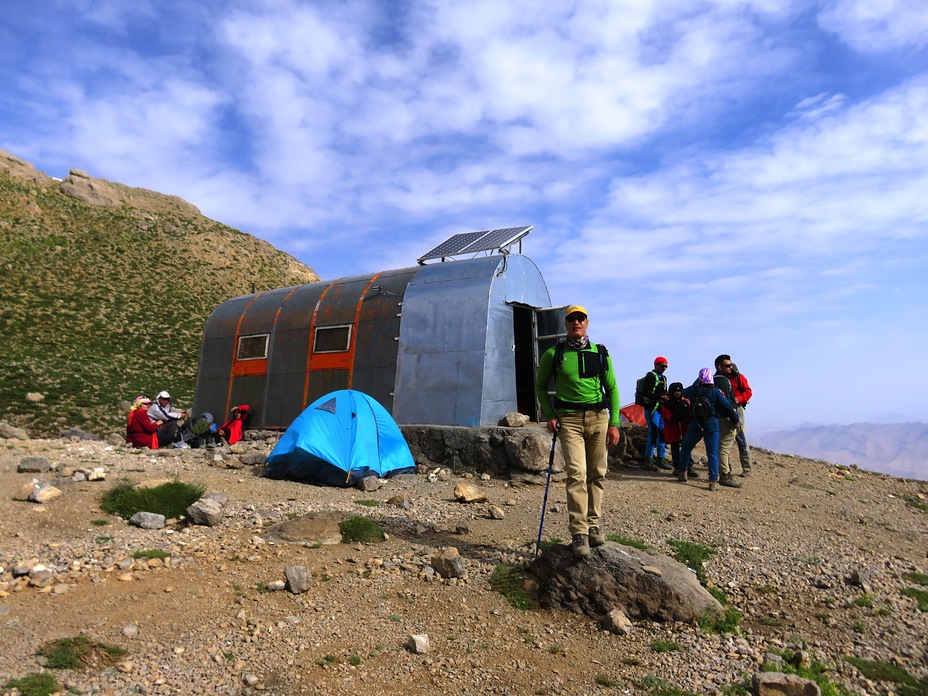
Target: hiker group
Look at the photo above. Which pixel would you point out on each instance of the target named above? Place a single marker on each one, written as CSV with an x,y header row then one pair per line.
x,y
711,409
157,424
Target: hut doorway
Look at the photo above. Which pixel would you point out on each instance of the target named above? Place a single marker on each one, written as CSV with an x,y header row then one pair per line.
x,y
534,331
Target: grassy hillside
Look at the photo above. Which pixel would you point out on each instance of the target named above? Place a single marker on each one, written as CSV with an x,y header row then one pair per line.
x,y
101,303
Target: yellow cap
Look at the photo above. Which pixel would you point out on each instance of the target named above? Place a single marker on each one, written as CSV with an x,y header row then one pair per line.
x,y
574,309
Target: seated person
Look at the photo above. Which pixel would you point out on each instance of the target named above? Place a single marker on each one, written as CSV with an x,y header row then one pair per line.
x,y
141,430
231,430
163,410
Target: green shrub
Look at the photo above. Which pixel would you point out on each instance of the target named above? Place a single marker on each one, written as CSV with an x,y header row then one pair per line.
x,y
660,645
727,622
887,672
917,578
920,596
151,553
368,503
691,555
361,529
35,684
79,652
507,580
169,499
627,541
817,671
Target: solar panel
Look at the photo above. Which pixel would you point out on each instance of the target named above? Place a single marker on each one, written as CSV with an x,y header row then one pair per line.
x,y
473,242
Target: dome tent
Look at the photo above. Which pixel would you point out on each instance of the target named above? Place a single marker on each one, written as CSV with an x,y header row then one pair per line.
x,y
340,438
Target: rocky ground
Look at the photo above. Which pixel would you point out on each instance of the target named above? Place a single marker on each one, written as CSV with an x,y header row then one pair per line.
x,y
814,556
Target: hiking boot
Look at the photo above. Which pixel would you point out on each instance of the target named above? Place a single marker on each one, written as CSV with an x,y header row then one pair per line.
x,y
713,486
693,473
680,474
650,465
745,472
729,481
580,545
597,538
662,464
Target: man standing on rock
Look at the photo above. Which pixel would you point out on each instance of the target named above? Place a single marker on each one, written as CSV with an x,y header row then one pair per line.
x,y
585,414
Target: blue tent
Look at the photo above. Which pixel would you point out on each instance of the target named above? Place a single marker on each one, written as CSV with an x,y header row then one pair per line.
x,y
339,439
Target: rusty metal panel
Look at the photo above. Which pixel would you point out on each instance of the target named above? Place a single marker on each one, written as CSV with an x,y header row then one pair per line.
x,y
288,355
217,353
325,381
378,333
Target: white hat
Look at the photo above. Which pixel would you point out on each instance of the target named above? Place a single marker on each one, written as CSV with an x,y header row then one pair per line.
x,y
163,395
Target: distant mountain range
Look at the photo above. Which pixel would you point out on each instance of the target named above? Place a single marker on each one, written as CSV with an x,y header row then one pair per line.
x,y
898,449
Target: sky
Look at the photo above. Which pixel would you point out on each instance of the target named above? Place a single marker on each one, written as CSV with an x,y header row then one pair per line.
x,y
746,177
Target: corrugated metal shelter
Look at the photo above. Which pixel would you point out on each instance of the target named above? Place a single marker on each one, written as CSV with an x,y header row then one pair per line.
x,y
452,343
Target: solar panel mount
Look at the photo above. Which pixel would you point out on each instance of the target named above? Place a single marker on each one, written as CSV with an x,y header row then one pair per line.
x,y
499,240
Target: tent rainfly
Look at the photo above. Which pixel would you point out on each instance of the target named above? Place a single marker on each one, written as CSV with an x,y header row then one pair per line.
x,y
339,439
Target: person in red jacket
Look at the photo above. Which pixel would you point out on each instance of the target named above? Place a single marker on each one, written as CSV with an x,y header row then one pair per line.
x,y
676,414
231,431
743,394
141,430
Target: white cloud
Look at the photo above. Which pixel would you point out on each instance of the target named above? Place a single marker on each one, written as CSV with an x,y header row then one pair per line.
x,y
877,25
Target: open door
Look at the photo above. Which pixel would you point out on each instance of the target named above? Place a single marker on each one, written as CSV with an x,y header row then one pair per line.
x,y
535,329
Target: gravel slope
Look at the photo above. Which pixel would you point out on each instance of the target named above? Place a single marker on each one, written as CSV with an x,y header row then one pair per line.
x,y
812,555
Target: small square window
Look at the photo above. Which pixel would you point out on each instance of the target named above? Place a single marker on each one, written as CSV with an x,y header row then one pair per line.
x,y
332,339
252,347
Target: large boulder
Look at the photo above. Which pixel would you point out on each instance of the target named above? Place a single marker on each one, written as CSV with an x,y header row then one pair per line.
x,y
530,449
643,584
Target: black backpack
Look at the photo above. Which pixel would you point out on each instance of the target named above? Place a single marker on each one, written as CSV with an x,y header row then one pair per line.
x,y
702,410
643,399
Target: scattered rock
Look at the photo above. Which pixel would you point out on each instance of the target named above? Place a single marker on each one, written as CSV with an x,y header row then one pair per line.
x,y
368,484
514,419
317,528
617,622
12,433
299,579
33,465
206,511
448,563
147,520
35,397
418,644
779,684
44,494
469,493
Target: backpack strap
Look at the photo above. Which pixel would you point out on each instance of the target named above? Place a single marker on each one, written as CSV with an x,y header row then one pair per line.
x,y
603,353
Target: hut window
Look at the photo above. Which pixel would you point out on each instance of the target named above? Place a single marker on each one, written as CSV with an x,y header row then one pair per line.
x,y
252,347
332,339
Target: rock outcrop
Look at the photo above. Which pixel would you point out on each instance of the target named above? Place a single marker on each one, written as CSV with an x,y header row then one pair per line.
x,y
644,585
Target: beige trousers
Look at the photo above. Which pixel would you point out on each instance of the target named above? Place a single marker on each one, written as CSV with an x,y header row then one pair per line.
x,y
583,444
727,434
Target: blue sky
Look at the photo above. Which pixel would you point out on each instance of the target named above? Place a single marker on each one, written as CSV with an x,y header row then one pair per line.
x,y
746,177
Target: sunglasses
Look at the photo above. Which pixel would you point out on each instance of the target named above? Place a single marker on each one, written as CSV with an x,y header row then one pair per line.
x,y
576,317
726,364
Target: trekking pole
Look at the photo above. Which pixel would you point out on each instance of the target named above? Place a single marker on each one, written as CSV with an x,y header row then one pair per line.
x,y
544,503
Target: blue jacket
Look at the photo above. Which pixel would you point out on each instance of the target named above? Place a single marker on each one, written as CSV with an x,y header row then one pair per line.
x,y
717,400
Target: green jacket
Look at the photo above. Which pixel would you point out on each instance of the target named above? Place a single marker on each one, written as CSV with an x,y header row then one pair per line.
x,y
577,381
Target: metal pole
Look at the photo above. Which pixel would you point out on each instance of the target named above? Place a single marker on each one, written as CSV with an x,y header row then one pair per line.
x,y
544,503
